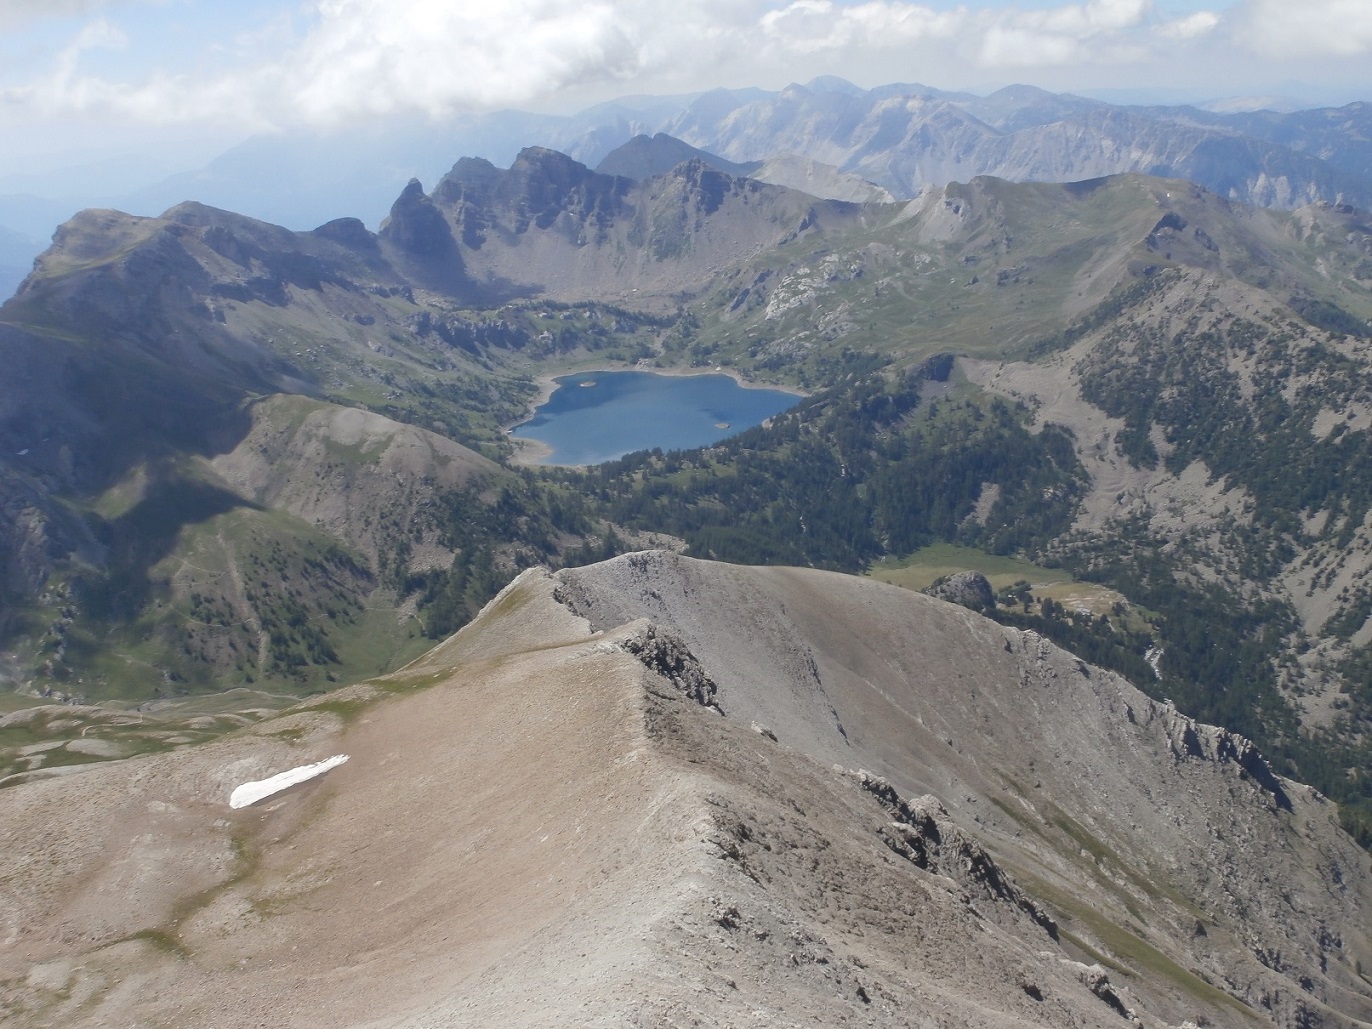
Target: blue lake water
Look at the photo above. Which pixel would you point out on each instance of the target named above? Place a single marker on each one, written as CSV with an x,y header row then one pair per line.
x,y
599,416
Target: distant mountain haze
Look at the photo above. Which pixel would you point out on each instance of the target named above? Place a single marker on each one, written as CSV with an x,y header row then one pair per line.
x,y
902,138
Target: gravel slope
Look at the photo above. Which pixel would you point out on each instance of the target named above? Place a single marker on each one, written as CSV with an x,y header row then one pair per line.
x,y
543,822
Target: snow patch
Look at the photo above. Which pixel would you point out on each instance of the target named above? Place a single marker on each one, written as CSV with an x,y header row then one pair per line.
x,y
252,792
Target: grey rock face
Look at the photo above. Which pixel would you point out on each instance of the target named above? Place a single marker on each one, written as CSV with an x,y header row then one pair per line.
x,y
922,831
423,240
667,654
969,589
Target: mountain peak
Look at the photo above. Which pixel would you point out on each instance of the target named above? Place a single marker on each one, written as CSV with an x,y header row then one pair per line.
x,y
471,169
833,84
348,231
645,157
423,239
546,157
1021,93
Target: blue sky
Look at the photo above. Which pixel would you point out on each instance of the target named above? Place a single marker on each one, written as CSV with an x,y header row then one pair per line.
x,y
74,70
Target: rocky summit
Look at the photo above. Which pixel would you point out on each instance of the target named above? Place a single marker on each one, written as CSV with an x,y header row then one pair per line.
x,y
665,791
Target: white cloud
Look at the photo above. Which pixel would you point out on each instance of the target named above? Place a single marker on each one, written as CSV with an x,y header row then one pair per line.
x,y
1012,46
1312,28
1097,32
369,57
95,35
814,26
1193,26
1083,20
341,59
18,12
64,88
375,56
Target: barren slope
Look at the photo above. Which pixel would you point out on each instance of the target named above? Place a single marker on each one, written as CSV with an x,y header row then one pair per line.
x,y
356,474
1156,841
548,227
535,826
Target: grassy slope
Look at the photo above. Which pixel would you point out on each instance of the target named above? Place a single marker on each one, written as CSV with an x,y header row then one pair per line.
x,y
990,269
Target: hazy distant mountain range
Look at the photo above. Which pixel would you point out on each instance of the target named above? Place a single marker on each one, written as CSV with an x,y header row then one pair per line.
x,y
901,137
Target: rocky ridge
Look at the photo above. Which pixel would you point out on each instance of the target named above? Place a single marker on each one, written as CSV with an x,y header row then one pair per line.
x,y
1115,847
659,862
548,226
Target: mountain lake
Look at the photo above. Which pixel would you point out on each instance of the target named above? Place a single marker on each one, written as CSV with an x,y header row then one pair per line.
x,y
598,416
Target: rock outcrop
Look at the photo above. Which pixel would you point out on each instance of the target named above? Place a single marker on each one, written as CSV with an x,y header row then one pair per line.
x,y
666,654
971,590
422,241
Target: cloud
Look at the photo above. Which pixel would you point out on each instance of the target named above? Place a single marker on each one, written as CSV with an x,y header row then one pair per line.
x,y
20,12
375,56
1084,20
95,35
1191,27
378,57
63,88
342,59
814,26
1101,31
1312,28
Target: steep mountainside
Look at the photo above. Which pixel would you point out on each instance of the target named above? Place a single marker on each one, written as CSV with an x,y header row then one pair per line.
x,y
551,227
905,141
680,817
644,157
